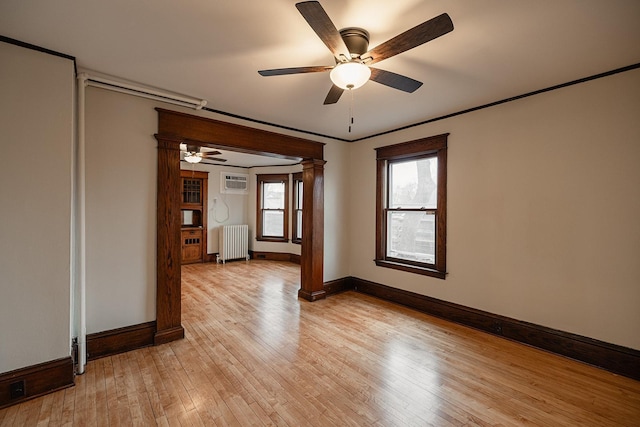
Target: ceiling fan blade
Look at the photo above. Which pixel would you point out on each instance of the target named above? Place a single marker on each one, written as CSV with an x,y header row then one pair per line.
x,y
207,160
318,19
295,70
209,153
427,31
394,80
334,95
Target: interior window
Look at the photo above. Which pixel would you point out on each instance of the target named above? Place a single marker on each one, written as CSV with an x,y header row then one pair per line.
x,y
297,208
272,215
411,206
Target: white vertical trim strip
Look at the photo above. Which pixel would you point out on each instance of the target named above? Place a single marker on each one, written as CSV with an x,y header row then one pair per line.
x,y
81,227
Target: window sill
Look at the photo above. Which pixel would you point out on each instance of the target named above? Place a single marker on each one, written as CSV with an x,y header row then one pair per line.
x,y
272,239
411,268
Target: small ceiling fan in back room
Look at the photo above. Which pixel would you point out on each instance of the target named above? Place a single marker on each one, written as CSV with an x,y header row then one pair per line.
x,y
192,153
350,47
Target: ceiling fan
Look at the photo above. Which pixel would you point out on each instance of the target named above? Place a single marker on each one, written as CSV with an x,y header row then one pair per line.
x,y
350,47
194,154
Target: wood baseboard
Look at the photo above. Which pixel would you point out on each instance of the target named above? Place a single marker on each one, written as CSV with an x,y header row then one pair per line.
x,y
339,285
275,256
37,380
614,358
120,340
294,258
312,296
168,335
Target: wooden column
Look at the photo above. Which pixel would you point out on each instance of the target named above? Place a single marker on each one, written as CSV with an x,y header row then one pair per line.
x,y
312,260
168,322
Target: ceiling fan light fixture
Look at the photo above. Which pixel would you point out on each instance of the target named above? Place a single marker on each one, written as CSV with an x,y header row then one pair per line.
x,y
192,158
350,75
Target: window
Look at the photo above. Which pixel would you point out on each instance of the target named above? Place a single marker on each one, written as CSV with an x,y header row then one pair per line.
x,y
411,206
272,213
297,208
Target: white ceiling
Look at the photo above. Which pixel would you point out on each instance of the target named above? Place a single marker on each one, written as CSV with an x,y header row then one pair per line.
x,y
212,49
244,160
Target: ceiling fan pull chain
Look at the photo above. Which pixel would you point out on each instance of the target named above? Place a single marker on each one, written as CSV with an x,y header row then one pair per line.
x,y
350,110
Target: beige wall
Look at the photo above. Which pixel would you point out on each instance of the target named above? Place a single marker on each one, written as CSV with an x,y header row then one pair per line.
x,y
36,141
120,210
543,208
336,210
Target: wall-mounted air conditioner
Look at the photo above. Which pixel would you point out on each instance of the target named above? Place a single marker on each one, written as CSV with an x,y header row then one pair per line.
x,y
234,183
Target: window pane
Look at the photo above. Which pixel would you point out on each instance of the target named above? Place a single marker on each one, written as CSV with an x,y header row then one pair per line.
x,y
413,184
299,194
273,223
411,236
299,225
273,195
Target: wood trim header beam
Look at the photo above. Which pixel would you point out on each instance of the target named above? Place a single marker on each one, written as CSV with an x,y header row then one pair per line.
x,y
214,133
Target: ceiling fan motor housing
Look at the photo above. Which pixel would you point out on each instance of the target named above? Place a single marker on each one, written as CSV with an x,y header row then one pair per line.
x,y
356,39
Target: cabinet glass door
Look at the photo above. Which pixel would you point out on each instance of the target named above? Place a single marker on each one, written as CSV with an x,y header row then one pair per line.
x,y
191,191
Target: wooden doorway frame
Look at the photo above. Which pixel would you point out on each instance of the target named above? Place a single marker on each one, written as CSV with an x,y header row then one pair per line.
x,y
175,128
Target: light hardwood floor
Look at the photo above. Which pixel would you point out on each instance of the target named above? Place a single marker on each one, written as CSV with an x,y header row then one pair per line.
x,y
256,355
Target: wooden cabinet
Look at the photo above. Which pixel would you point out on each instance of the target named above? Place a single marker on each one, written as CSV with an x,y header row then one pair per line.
x,y
193,204
191,245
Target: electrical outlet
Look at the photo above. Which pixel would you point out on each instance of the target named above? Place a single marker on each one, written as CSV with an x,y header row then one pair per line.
x,y
497,327
17,390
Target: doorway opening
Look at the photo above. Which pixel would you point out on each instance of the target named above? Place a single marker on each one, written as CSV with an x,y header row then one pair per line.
x,y
179,128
